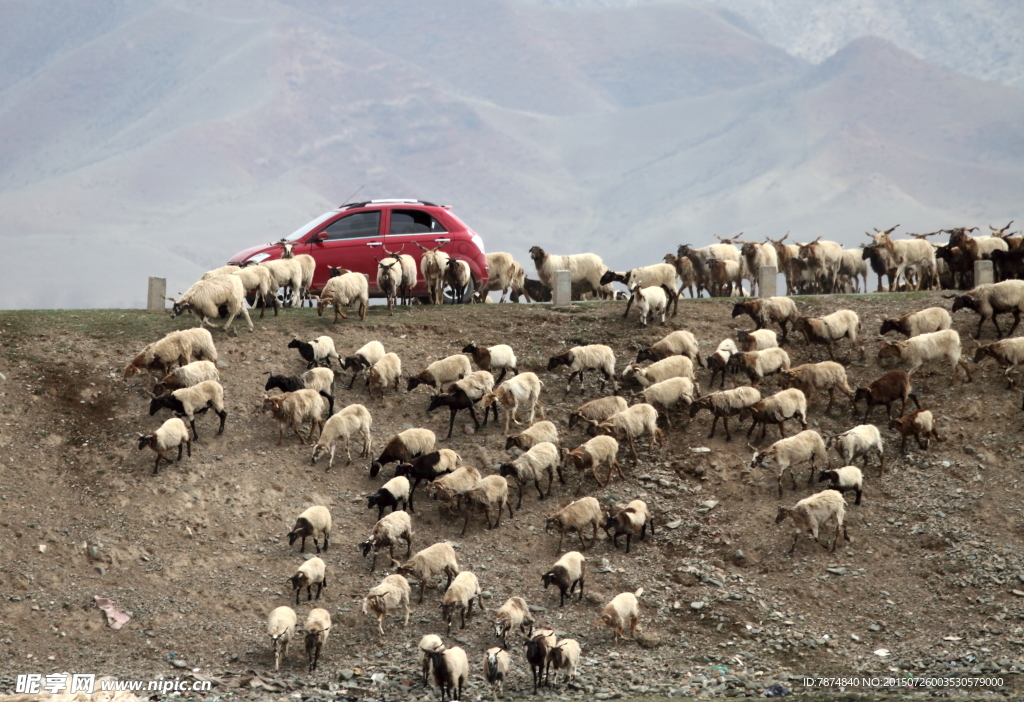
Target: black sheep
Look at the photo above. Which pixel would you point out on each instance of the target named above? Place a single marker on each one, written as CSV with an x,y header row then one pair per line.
x,y
174,404
383,498
419,469
289,383
457,400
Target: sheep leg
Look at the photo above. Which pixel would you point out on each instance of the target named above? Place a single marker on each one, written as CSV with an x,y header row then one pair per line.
x,y
831,399
195,434
583,542
295,428
632,447
728,436
793,547
917,437
903,444
629,304
1016,321
469,511
540,493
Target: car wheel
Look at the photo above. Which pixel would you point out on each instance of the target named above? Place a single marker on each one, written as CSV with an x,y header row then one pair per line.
x,y
449,299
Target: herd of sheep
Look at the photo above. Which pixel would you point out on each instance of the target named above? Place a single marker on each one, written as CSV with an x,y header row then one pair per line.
x,y
188,384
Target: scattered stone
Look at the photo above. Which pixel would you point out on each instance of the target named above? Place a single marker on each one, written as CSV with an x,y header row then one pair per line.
x,y
696,605
648,640
874,627
179,663
674,524
346,674
836,571
101,570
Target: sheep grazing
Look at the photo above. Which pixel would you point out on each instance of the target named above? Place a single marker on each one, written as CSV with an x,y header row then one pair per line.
x,y
785,454
936,346
449,489
497,663
295,408
464,394
205,298
783,405
389,280
989,301
188,402
932,319
639,420
538,650
757,340
894,385
317,352
758,364
718,362
565,656
319,379
592,455
678,343
540,461
441,373
917,423
353,420
314,522
668,394
342,292
844,479
433,265
574,517
427,645
403,447
187,376
631,520
385,373
622,611
490,493
814,512
671,367
431,561
769,310
504,274
858,442
831,328
596,357
391,493
1008,353
459,598
459,277
260,279
811,377
174,349
597,410
312,572
281,629
585,270
363,359
429,467
451,671
521,391
171,433
515,613
387,532
651,302
380,600
725,404
493,358
318,626
538,433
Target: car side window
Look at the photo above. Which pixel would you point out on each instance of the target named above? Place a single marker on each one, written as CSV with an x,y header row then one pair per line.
x,y
355,226
414,222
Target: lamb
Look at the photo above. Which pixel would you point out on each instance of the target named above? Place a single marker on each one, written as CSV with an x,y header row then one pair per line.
x,y
917,423
431,561
428,644
758,364
451,671
844,479
188,402
671,367
667,394
186,376
598,410
596,357
489,493
521,391
989,301
928,320
684,271
585,270
493,358
718,362
354,419
449,489
541,460
829,329
565,656
860,441
343,291
464,394
504,274
295,408
514,613
387,532
281,629
319,379
1008,353
538,433
403,447
171,433
318,626
205,298
918,350
769,310
317,352
757,340
459,277
393,591
659,275
260,279
591,455
389,280
287,273
538,651
810,377
678,343
161,356
433,265
639,420
814,512
497,663
785,454
314,522
569,571
391,493
783,405
651,302
312,572
385,373
574,517
725,404
429,467
631,520
724,278
443,372
365,357
623,610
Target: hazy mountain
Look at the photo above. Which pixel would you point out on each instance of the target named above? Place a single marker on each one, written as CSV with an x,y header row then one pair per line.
x,y
158,138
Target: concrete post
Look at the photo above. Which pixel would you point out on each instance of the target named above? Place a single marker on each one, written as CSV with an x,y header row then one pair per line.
x,y
155,302
983,274
767,277
561,294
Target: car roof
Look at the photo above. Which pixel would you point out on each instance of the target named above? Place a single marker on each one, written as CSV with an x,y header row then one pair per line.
x,y
393,201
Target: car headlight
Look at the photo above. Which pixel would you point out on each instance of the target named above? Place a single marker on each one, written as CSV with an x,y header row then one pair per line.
x,y
259,257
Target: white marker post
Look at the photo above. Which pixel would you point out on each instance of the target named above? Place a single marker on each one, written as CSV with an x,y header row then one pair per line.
x,y
155,303
767,276
561,294
983,273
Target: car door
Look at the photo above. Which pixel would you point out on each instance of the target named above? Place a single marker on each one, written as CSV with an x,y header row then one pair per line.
x,y
406,228
351,241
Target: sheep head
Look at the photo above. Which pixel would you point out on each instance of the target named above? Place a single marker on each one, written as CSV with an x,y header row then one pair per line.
x,y
782,514
538,255
888,349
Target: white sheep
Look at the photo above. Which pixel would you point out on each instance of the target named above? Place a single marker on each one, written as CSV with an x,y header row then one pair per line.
x,y
718,362
408,281
441,373
307,264
596,357
631,520
458,276
668,394
541,460
342,291
585,270
389,495
187,402
575,516
354,419
318,626
844,479
569,571
404,446
385,373
651,302
639,420
991,300
387,532
312,572
490,493
678,343
671,367
1008,353
201,342
186,376
622,611
459,598
810,377
932,319
433,265
389,280
287,273
380,600
365,357
260,279
521,391
296,408
768,310
449,489
496,358
601,450
565,656
598,410
860,441
515,613
783,405
503,274
281,629
785,454
530,437
318,351
936,346
172,433
162,355
314,522
755,255
814,512
725,404
757,340
758,364
917,423
497,664
428,644
205,298
831,328
451,671
433,560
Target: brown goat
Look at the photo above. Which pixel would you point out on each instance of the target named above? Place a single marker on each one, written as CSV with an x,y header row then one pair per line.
x,y
916,423
894,385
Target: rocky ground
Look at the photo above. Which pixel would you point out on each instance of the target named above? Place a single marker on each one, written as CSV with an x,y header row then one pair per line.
x,y
932,584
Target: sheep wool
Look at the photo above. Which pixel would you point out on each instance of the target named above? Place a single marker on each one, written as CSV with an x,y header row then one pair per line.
x,y
354,419
381,600
490,493
598,410
844,479
639,420
385,373
521,391
431,561
428,644
514,613
622,611
459,598
172,433
678,343
575,517
811,513
281,629
312,572
538,433
386,532
318,626
314,522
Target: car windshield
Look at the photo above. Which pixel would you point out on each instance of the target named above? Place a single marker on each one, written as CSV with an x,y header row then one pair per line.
x,y
307,228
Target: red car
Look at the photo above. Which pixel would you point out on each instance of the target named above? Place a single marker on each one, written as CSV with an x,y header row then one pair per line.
x,y
354,235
